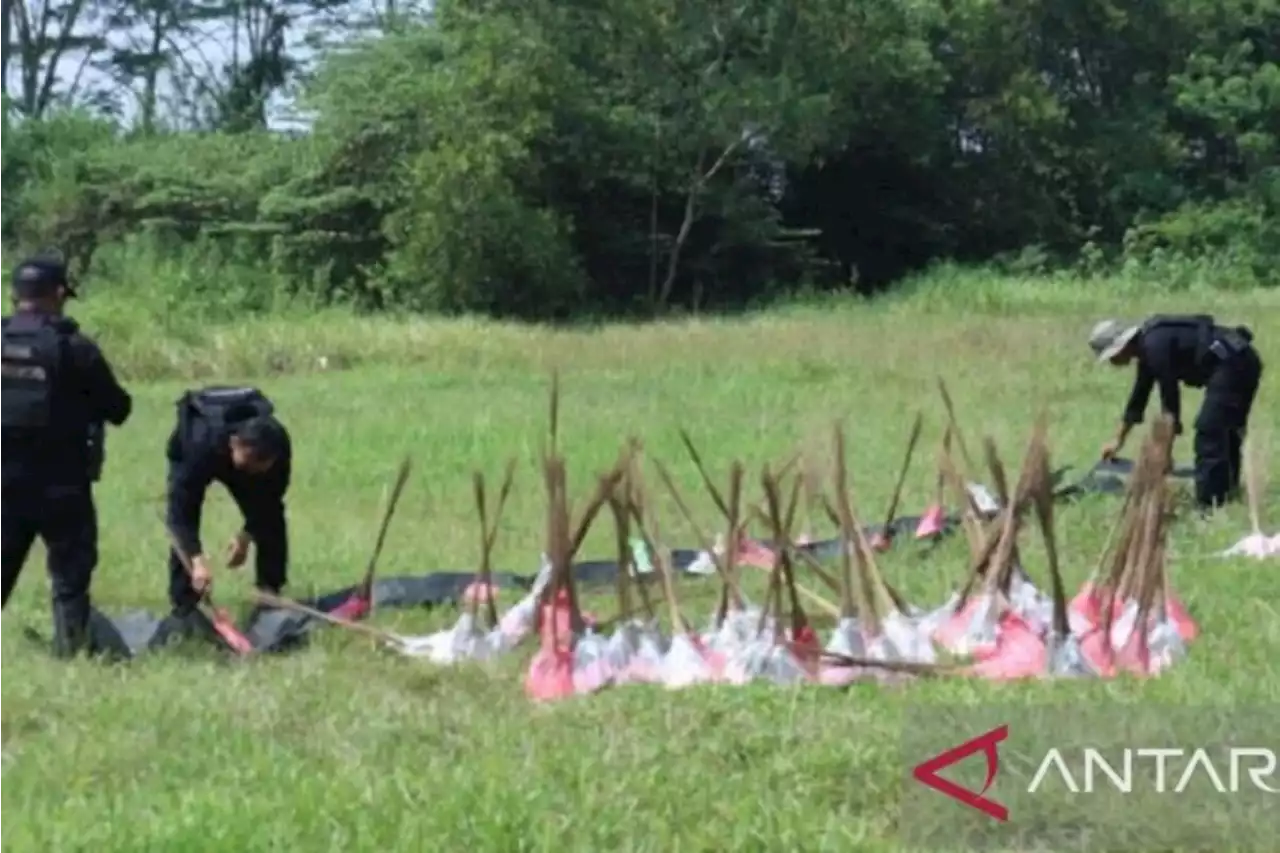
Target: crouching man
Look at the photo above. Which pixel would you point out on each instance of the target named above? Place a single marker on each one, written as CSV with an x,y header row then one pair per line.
x,y
1195,351
230,436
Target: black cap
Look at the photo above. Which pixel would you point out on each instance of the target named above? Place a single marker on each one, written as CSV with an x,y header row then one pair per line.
x,y
41,276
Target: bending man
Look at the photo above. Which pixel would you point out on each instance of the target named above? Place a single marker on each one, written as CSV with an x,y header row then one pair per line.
x,y
1194,351
227,435
59,390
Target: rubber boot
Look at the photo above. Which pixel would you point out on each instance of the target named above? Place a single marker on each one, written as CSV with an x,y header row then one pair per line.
x,y
70,628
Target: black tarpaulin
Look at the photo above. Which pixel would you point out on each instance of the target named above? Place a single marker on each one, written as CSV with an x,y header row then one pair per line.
x,y
1111,477
272,630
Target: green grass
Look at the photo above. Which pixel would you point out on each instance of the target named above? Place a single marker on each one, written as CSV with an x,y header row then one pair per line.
x,y
345,747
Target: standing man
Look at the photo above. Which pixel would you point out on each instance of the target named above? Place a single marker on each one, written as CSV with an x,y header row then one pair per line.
x,y
58,392
1195,351
231,436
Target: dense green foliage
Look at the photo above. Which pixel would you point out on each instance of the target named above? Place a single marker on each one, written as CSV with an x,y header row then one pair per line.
x,y
545,159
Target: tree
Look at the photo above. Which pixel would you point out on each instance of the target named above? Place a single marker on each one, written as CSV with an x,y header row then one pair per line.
x,y
149,39
52,43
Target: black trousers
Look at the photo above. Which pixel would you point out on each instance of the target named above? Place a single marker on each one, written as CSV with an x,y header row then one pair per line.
x,y
1220,427
65,518
266,524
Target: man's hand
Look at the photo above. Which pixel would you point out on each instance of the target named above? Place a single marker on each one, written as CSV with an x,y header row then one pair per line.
x,y
201,577
1111,448
238,550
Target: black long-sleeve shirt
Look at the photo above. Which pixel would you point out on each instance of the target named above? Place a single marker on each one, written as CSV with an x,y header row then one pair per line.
x,y
106,400
202,459
1169,353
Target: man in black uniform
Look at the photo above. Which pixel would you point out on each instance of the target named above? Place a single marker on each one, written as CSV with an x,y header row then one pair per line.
x,y
1195,351
227,435
58,392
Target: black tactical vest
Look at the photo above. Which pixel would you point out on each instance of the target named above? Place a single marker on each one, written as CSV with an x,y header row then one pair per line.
x,y
1201,324
32,367
1214,343
215,412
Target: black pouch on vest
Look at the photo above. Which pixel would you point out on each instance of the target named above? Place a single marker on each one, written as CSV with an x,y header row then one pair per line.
x,y
32,362
1228,343
96,450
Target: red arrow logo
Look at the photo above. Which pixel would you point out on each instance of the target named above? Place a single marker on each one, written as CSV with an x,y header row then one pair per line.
x,y
926,772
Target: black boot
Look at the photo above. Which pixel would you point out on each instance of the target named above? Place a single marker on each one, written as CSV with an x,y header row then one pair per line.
x,y
70,628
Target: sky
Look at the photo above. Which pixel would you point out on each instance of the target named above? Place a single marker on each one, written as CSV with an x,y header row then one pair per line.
x,y
204,50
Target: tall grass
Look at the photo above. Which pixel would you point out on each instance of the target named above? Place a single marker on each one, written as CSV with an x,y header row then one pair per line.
x,y
201,314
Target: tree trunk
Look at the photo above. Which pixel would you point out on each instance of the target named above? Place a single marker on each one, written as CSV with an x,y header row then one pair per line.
x,y
690,210
6,47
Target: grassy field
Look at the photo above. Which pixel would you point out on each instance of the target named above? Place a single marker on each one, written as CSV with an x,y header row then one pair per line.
x,y
344,747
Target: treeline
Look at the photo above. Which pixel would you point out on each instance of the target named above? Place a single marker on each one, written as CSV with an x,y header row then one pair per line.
x,y
546,158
